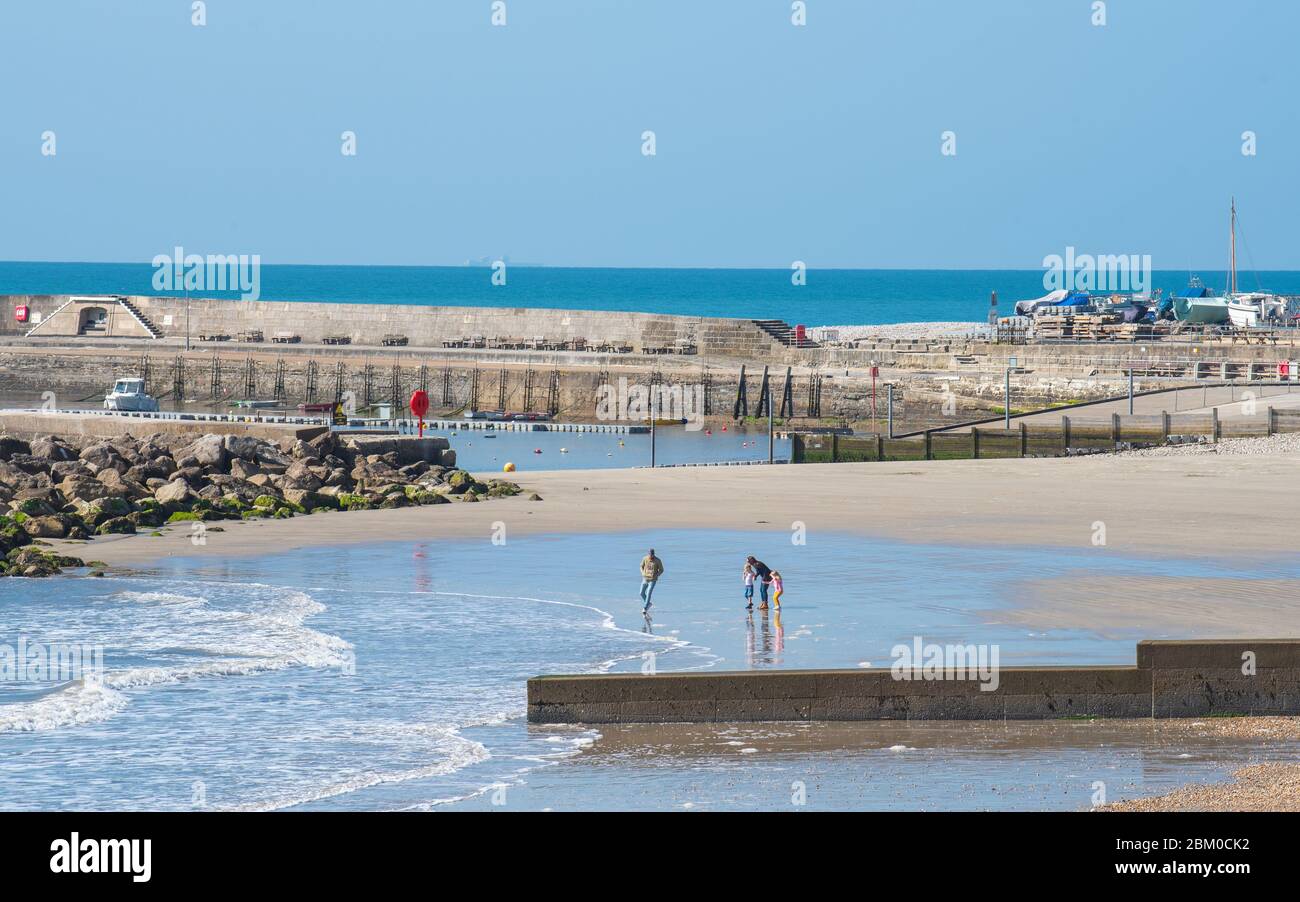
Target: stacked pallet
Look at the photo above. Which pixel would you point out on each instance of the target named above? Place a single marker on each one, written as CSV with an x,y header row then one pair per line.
x,y
1082,327
1137,331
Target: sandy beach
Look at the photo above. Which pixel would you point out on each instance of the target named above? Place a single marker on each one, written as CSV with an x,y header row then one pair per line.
x,y
1220,508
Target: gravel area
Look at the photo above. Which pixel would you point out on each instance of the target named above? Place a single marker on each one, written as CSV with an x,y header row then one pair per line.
x,y
894,331
1257,787
1281,443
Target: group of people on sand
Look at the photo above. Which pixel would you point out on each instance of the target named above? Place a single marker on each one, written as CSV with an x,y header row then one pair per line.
x,y
755,572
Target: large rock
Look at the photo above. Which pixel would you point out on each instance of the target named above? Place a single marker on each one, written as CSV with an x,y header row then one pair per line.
x,y
152,468
176,493
65,468
48,495
83,488
101,510
120,485
48,447
302,476
406,449
459,481
243,469
244,447
308,500
49,527
193,475
103,456
30,464
209,451
10,445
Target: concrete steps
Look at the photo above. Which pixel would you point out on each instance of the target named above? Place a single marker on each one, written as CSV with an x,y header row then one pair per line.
x,y
144,321
784,333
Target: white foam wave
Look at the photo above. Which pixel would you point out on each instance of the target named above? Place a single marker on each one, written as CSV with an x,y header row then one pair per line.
x,y
455,750
269,635
74,704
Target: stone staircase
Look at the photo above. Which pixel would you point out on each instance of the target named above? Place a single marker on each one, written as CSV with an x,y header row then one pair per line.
x,y
783,333
138,314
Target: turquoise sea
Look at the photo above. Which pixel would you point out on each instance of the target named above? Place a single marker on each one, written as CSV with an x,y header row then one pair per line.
x,y
830,297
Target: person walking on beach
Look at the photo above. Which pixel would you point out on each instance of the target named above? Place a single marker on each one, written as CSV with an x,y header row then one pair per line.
x,y
777,587
763,574
747,577
651,569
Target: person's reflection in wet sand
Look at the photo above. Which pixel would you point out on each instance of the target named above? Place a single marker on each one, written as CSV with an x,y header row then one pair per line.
x,y
779,643
759,654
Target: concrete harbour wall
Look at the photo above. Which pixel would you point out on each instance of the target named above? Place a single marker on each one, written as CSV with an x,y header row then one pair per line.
x,y
423,325
1170,679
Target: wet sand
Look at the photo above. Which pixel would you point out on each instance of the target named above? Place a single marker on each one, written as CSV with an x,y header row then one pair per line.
x,y
1068,765
1176,507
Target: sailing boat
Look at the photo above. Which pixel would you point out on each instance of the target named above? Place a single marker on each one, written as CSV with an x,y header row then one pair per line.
x,y
1248,309
1197,305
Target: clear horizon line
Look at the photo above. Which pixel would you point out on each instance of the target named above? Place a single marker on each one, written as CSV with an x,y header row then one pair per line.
x,y
1191,270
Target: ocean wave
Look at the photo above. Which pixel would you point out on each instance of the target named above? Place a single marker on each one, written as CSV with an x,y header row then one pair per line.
x,y
76,703
455,751
269,635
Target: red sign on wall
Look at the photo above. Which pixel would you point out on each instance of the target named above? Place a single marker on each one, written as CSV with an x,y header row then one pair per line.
x,y
20,313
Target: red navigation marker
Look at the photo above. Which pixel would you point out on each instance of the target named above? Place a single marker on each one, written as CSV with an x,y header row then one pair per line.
x,y
419,407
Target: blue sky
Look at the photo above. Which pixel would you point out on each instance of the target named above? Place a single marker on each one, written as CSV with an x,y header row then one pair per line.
x,y
774,142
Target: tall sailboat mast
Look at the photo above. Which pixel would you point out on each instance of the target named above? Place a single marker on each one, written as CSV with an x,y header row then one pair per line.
x,y
1232,229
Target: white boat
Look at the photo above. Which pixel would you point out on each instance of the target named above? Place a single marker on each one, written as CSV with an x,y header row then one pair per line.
x,y
1249,309
129,394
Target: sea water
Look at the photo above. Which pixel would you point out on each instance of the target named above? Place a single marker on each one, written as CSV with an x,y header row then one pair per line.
x,y
829,297
392,675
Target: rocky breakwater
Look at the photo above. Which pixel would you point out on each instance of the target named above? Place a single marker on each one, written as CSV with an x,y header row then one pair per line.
x,y
54,488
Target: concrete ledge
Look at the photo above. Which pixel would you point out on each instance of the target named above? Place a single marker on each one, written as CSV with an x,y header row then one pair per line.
x,y
1170,679
70,425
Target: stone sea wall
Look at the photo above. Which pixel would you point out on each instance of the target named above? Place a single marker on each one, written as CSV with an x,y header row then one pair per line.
x,y
1170,679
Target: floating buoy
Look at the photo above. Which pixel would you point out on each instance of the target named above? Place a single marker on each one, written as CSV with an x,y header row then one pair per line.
x,y
708,432
620,443
564,450
509,467
537,450
724,428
